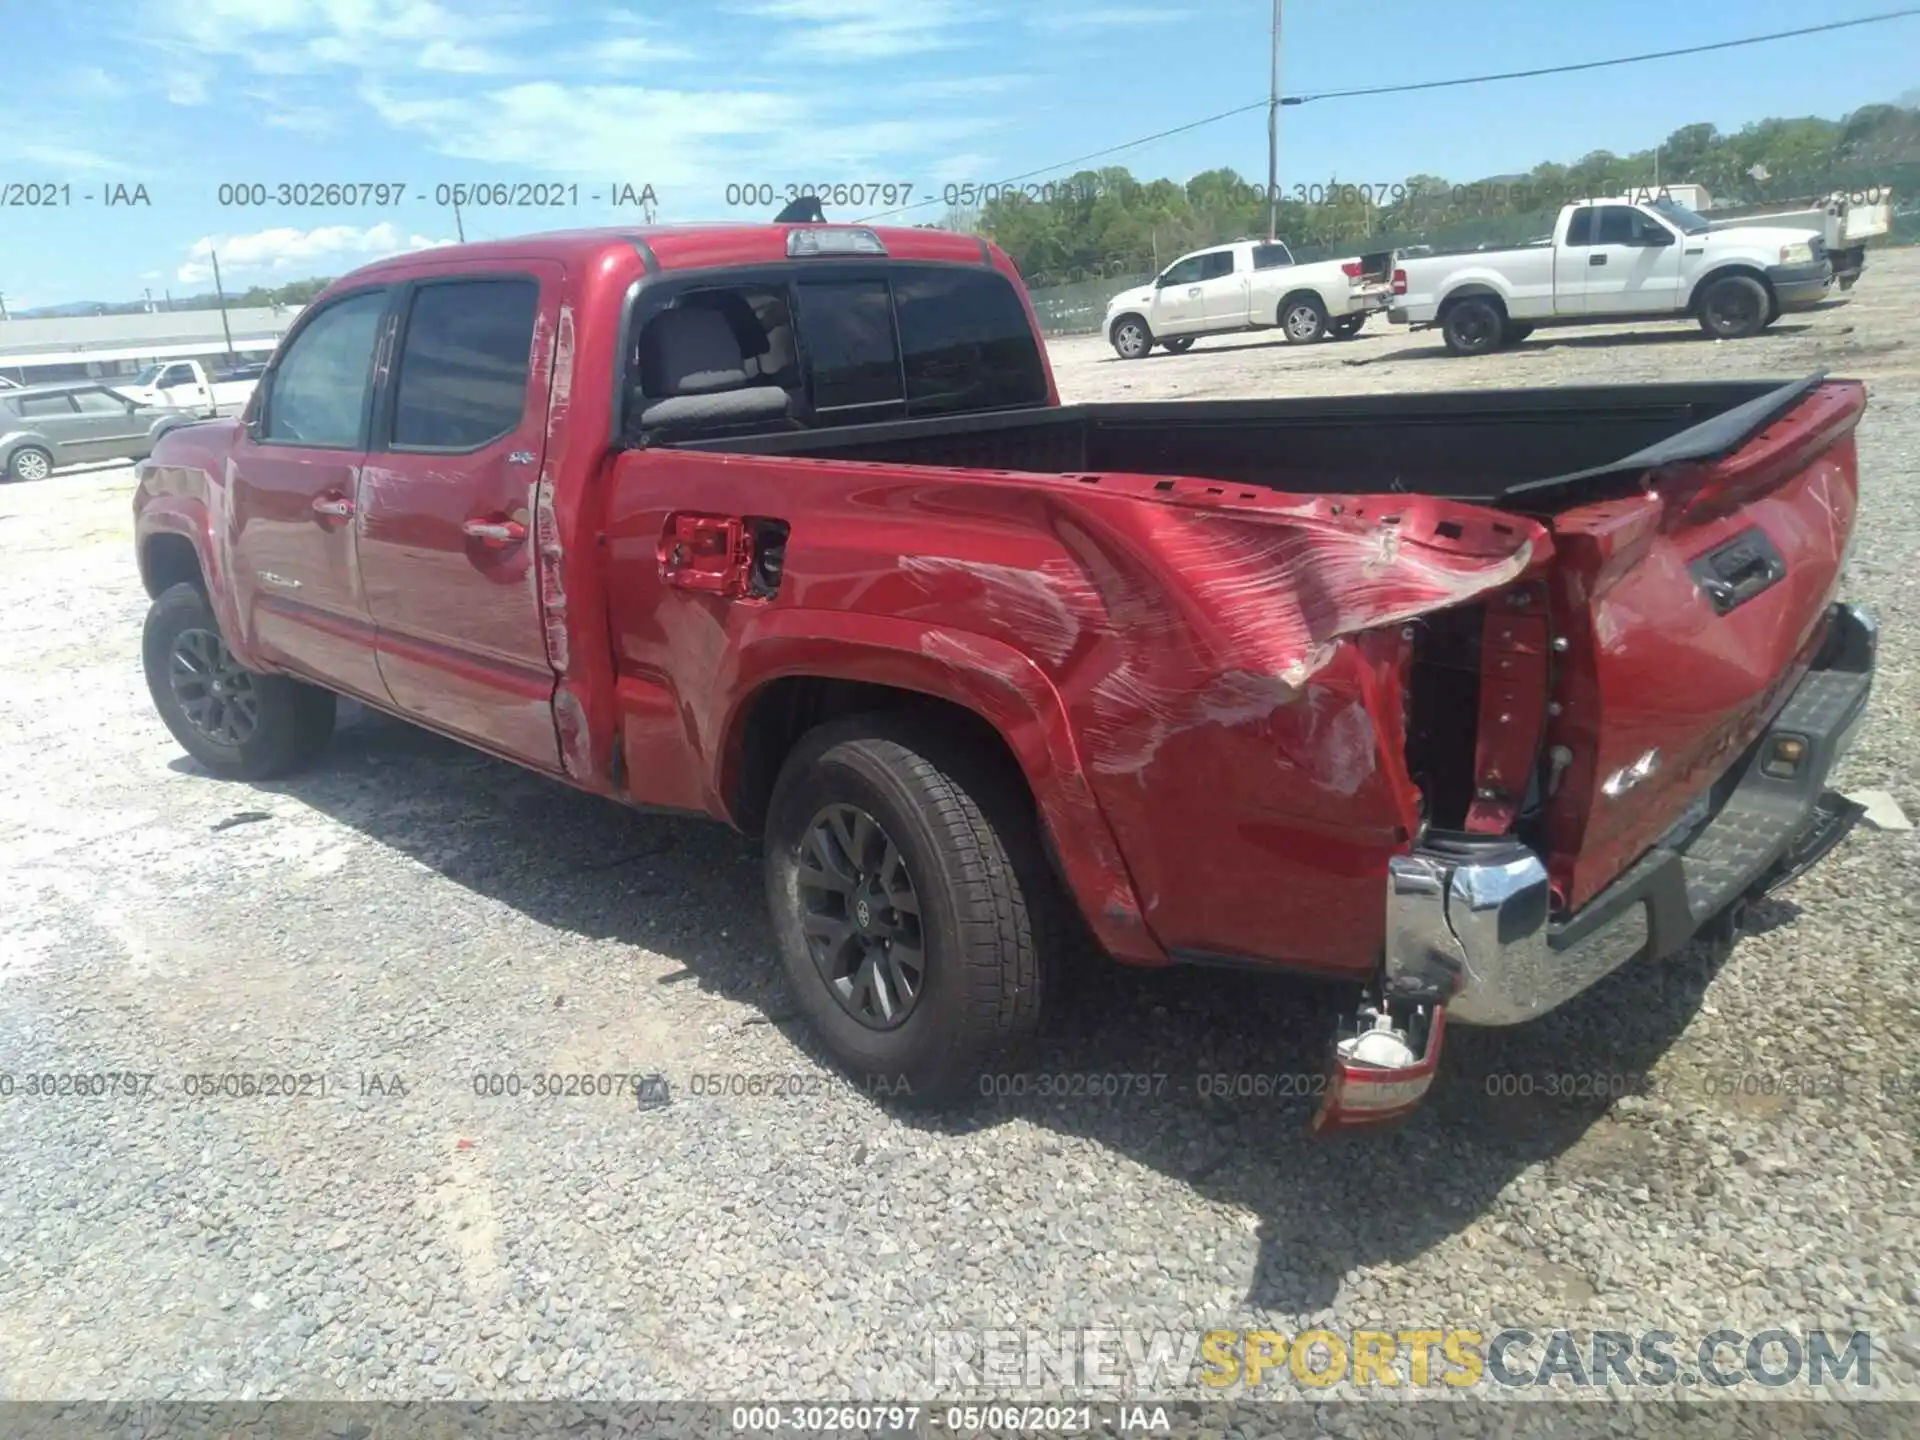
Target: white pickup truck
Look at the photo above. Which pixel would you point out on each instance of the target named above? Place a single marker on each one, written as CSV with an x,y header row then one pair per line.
x,y
186,385
1609,261
1248,285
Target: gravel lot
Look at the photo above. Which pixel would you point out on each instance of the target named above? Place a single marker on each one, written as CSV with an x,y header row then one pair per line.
x,y
417,913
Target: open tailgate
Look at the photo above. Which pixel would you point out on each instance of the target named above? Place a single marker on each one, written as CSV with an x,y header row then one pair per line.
x,y
1684,615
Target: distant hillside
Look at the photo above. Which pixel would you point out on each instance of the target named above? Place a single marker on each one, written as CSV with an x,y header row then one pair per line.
x,y
297,292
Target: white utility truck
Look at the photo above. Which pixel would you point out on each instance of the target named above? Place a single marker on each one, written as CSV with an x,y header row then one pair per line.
x,y
1609,261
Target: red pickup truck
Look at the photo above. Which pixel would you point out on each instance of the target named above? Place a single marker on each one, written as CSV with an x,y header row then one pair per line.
x,y
1465,699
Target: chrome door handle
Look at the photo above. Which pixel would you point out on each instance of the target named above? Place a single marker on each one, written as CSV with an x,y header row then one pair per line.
x,y
497,533
336,507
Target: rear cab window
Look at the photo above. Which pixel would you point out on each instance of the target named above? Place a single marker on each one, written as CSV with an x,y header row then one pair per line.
x,y
848,344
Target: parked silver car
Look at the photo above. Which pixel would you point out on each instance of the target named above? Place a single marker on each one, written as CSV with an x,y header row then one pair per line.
x,y
68,423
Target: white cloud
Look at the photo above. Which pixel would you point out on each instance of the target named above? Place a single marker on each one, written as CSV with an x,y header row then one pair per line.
x,y
1056,21
288,251
53,154
90,82
865,29
186,86
693,141
298,36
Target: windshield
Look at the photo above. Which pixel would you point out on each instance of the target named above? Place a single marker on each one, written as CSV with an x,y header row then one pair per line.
x,y
1689,223
149,375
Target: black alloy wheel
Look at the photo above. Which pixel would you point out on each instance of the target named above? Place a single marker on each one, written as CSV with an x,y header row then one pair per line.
x,y
216,695
862,917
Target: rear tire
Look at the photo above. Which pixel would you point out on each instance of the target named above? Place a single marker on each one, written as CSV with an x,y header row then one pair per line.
x,y
1735,307
1347,326
873,808
1130,338
239,724
1179,345
1473,326
29,462
1303,319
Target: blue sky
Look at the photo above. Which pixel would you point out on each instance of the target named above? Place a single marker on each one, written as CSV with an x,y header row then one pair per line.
x,y
181,95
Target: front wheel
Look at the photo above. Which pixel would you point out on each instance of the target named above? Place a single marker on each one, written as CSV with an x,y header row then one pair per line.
x,y
1735,307
910,901
240,724
1347,326
1303,320
1178,346
1131,338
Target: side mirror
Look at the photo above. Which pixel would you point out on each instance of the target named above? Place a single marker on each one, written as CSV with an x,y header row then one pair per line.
x,y
1160,282
1658,238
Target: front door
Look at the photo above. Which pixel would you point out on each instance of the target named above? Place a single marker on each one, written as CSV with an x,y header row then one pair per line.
x,y
447,505
1179,303
1634,265
111,427
1572,255
293,476
1225,291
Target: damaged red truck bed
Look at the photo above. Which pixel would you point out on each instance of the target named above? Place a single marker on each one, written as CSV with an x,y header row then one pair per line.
x,y
1466,699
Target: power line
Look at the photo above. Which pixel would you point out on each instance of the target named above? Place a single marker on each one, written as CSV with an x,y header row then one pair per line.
x,y
1603,64
1432,85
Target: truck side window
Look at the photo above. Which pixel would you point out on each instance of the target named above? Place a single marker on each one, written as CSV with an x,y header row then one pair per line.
x,y
319,393
847,328
1271,257
1216,265
1580,227
463,365
966,343
1183,272
1617,226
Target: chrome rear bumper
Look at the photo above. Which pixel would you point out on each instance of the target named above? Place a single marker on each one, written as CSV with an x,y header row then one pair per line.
x,y
1468,925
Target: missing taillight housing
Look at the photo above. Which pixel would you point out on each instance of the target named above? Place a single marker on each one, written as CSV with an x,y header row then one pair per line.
x,y
1443,710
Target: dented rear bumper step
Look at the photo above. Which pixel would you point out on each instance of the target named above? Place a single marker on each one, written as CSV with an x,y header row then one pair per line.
x,y
1468,924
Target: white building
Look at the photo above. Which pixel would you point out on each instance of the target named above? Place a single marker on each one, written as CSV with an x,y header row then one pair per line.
x,y
94,347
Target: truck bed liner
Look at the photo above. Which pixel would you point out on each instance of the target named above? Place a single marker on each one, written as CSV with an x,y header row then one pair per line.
x,y
1535,451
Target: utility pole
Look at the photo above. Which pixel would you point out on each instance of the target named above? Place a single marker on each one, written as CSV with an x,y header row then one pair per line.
x,y
220,294
3,308
1273,134
458,228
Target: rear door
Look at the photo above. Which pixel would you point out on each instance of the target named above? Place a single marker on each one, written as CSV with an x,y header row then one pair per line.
x,y
54,418
447,503
1633,266
1572,259
292,477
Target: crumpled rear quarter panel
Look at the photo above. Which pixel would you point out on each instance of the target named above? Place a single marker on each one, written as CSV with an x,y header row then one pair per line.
x,y
1227,662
